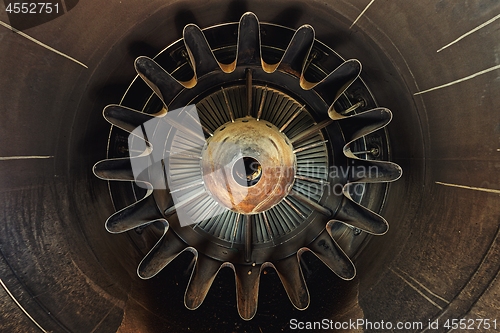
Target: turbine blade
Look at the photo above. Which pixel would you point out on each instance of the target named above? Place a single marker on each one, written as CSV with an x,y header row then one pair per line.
x,y
119,168
204,273
369,171
248,49
125,118
330,253
247,289
133,216
249,222
364,123
313,130
355,215
296,53
165,250
310,203
293,281
201,55
334,85
159,80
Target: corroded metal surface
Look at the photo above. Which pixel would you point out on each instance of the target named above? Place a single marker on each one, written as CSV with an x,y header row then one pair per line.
x,y
270,159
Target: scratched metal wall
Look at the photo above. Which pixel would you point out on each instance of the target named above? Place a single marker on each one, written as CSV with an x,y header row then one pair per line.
x,y
434,63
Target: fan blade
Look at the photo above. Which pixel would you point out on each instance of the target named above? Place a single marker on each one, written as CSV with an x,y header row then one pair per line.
x,y
158,79
201,55
141,212
298,50
329,252
247,289
165,250
355,215
293,281
204,273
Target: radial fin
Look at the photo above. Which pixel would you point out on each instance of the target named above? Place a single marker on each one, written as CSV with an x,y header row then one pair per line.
x,y
355,215
247,289
364,123
248,49
201,55
298,50
293,281
204,273
329,252
370,171
119,168
127,119
357,126
334,85
139,213
158,79
166,249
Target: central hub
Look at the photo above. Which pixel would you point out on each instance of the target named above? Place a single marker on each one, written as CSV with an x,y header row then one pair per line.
x,y
248,165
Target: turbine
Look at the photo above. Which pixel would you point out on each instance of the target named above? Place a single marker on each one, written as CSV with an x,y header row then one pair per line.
x,y
255,157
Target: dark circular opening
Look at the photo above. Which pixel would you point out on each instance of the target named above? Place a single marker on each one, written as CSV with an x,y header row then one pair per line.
x,y
247,171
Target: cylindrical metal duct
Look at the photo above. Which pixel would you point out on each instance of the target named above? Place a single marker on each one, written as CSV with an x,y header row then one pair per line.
x,y
433,63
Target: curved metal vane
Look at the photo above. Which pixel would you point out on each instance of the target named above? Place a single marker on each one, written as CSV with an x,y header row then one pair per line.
x,y
241,174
